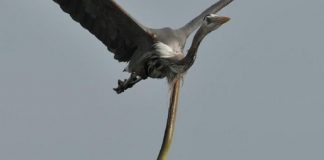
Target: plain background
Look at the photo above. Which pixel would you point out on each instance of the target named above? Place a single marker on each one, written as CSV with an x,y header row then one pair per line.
x,y
255,92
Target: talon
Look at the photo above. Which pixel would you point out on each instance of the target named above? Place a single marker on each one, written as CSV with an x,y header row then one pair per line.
x,y
127,83
120,82
118,90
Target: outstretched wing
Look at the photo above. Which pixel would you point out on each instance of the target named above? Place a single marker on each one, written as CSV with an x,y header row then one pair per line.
x,y
110,24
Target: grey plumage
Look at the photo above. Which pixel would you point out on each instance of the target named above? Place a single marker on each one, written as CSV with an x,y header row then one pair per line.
x,y
154,53
131,41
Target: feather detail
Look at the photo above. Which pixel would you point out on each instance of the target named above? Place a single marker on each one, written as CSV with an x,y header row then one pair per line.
x,y
165,51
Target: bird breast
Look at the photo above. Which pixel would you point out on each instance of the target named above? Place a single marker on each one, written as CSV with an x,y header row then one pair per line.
x,y
158,66
155,63
164,51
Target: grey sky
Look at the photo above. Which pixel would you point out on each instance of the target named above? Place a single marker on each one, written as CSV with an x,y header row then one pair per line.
x,y
255,92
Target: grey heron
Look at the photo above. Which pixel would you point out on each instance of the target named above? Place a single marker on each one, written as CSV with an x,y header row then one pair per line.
x,y
154,53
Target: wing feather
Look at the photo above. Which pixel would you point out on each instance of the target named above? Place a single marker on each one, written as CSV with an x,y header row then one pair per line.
x,y
110,24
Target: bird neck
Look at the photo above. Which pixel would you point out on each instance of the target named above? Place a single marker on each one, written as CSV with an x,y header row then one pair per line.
x,y
189,59
196,22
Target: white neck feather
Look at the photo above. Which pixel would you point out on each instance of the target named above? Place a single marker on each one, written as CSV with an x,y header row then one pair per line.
x,y
164,51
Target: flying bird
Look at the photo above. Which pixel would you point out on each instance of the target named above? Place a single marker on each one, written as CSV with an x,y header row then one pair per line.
x,y
150,53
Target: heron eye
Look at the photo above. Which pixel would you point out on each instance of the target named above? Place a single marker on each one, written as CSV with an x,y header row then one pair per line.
x,y
205,17
207,20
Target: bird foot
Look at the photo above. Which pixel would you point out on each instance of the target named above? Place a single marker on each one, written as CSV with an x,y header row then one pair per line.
x,y
127,83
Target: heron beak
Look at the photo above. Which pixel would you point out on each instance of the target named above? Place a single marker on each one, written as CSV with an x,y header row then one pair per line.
x,y
222,19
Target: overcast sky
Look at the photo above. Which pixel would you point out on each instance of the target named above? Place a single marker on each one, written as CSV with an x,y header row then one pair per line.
x,y
255,92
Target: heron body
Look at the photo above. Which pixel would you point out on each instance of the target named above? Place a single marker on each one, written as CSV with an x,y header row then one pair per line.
x,y
154,63
144,48
154,53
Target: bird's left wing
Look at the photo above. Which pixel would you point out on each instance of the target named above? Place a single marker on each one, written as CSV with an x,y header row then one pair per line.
x,y
110,24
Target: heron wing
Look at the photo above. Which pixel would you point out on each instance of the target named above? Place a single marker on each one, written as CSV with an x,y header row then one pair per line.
x,y
110,24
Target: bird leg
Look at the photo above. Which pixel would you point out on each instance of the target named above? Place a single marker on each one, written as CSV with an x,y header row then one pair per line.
x,y
127,83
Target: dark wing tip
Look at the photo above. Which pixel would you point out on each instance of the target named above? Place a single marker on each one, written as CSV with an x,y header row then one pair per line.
x,y
110,24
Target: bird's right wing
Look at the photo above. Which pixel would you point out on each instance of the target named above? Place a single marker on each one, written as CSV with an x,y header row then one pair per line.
x,y
110,24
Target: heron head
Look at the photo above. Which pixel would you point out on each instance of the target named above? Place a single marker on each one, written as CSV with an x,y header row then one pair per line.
x,y
214,21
